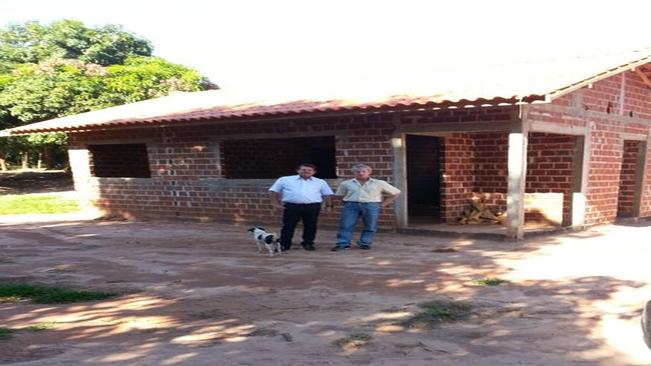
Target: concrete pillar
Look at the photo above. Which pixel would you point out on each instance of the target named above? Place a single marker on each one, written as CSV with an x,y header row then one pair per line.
x,y
400,179
517,171
80,167
580,171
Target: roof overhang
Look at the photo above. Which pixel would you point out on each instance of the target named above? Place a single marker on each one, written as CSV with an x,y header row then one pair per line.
x,y
541,81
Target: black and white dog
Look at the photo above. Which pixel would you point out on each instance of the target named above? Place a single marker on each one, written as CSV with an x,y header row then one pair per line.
x,y
267,239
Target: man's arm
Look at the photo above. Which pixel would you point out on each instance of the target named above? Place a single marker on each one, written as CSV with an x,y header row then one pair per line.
x,y
326,194
274,194
391,194
275,200
328,203
389,199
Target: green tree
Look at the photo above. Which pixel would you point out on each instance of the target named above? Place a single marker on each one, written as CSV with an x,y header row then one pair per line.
x,y
66,68
69,39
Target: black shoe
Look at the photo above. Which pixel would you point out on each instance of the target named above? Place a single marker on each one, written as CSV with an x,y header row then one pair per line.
x,y
337,248
309,247
284,249
364,246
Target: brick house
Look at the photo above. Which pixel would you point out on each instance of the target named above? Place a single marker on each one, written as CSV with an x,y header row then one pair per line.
x,y
564,141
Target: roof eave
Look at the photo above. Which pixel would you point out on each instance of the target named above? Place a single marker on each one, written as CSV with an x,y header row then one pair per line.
x,y
591,80
399,108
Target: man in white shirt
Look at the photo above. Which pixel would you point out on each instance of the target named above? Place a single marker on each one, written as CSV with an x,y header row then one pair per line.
x,y
300,198
363,196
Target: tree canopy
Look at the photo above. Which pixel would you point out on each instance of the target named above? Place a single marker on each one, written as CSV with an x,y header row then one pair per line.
x,y
69,39
64,68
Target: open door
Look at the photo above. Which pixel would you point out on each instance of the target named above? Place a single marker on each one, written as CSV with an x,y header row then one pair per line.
x,y
423,178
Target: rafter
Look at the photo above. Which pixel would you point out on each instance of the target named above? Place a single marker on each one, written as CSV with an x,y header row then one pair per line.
x,y
643,76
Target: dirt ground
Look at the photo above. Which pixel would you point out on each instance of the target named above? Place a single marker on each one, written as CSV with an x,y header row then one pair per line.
x,y
21,182
199,294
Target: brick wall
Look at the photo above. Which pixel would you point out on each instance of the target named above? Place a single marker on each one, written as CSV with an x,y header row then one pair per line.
x,y
187,177
627,178
589,106
457,181
550,170
491,168
645,206
637,99
188,181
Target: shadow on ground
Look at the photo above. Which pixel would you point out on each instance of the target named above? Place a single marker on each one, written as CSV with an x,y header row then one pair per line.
x,y
35,182
198,294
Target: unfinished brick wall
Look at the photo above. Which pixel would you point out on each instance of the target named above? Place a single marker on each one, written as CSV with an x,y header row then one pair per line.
x,y
550,170
604,96
187,164
645,205
458,181
591,106
637,99
627,178
491,151
187,178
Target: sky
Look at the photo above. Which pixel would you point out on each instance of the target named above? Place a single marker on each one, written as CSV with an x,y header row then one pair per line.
x,y
273,43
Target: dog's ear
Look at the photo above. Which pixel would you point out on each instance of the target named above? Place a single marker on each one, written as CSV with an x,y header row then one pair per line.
x,y
260,228
251,230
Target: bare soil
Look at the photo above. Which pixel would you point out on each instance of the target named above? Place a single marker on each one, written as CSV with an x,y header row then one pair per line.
x,y
199,294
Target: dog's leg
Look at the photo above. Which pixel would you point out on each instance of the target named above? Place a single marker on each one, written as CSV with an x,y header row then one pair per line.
x,y
257,244
270,248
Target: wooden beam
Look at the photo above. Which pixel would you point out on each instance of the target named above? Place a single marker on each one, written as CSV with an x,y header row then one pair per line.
x,y
643,76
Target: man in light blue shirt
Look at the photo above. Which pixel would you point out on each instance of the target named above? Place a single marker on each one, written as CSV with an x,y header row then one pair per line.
x,y
300,197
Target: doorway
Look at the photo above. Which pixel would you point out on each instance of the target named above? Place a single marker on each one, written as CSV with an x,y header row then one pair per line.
x,y
630,179
423,178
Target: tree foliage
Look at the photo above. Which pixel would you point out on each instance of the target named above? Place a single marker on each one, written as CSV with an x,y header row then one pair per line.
x,y
65,68
69,39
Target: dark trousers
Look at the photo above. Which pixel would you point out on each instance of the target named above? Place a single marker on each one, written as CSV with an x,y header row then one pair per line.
x,y
292,214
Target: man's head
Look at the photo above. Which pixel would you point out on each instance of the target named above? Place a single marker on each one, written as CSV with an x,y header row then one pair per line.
x,y
306,170
361,171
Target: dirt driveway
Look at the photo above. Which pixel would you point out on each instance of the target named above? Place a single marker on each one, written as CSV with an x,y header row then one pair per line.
x,y
198,294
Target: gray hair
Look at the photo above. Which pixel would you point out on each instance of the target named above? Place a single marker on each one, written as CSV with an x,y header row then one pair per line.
x,y
359,167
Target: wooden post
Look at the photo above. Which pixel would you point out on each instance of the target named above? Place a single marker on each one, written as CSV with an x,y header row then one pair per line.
x,y
517,175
